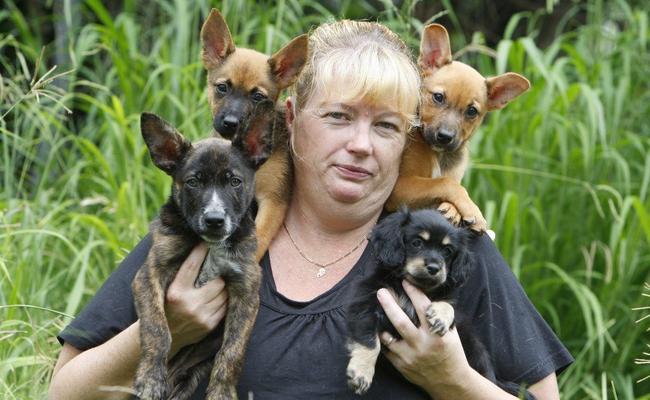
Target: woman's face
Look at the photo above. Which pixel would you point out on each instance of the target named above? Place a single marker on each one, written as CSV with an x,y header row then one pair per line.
x,y
349,151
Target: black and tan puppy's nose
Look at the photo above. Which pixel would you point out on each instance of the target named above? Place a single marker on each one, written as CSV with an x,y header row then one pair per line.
x,y
214,219
445,136
433,268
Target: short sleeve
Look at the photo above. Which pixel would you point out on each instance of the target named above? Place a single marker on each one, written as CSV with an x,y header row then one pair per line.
x,y
522,346
112,309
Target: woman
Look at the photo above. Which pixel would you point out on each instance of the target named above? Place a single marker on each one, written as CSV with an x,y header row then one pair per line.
x,y
353,105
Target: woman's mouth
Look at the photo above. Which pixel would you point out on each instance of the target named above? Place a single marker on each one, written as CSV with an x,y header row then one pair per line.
x,y
353,172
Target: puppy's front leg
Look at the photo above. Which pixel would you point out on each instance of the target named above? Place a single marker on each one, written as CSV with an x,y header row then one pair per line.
x,y
419,192
243,304
155,338
361,368
273,192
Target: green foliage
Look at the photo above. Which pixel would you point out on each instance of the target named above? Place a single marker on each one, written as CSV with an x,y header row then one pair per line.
x,y
562,173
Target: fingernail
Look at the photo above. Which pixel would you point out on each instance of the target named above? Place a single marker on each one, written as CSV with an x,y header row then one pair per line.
x,y
407,284
381,294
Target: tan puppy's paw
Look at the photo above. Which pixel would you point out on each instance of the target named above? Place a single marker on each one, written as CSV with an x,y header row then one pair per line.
x,y
440,316
450,212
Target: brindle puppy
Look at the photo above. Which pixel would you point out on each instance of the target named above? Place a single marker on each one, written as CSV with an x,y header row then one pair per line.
x,y
212,193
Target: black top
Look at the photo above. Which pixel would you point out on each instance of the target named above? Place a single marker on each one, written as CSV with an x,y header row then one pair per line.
x,y
297,349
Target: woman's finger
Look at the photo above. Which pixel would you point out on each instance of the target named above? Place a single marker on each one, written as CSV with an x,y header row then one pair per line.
x,y
214,288
219,315
189,270
218,301
420,301
397,317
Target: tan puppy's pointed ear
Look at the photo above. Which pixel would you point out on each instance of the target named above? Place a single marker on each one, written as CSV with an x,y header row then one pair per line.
x,y
435,50
217,42
287,63
504,88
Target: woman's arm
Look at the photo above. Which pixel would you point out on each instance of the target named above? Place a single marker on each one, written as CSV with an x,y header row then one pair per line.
x,y
438,364
191,314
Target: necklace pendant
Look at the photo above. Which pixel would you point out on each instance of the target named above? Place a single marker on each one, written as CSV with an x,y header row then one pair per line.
x,y
321,272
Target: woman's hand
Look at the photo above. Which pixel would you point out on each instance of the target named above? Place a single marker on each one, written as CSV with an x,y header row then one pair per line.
x,y
194,312
424,358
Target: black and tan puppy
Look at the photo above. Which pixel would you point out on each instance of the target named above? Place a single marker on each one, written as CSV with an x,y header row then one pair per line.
x,y
425,249
212,193
239,78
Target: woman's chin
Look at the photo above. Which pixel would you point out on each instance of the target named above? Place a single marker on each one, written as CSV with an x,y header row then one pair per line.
x,y
348,193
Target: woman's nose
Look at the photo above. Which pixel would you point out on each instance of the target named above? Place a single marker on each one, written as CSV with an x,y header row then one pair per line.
x,y
360,141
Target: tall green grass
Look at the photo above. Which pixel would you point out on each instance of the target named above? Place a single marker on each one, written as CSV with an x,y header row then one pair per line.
x,y
562,173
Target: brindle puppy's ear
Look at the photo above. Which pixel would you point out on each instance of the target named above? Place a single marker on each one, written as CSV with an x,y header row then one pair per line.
x,y
387,239
435,49
217,41
167,146
287,63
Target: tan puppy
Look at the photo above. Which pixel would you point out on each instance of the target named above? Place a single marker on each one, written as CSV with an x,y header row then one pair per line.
x,y
455,98
238,81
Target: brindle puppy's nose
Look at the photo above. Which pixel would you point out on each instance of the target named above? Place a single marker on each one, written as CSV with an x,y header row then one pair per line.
x,y
214,219
445,136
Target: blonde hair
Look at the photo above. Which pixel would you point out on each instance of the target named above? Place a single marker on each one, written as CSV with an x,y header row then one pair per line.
x,y
367,60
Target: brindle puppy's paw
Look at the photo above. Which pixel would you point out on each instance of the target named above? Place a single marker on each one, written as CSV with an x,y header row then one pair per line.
x,y
222,392
153,387
440,316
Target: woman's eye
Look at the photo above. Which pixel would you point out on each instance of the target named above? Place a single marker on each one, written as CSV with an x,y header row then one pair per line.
x,y
438,97
388,125
337,115
221,88
235,182
192,182
258,96
471,112
416,243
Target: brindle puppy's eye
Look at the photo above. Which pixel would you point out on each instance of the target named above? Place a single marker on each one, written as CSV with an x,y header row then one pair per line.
x,y
192,182
417,243
438,98
221,88
235,182
471,112
258,96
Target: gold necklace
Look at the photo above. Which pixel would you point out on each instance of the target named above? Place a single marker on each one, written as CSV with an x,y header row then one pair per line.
x,y
321,267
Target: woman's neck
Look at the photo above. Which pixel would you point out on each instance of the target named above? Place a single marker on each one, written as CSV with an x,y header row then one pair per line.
x,y
324,223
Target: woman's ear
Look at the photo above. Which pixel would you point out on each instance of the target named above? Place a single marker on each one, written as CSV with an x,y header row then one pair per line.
x,y
290,113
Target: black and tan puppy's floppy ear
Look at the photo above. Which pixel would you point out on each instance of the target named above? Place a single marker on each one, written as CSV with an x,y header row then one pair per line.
x,y
463,259
387,239
504,88
435,49
255,139
167,146
287,63
216,39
